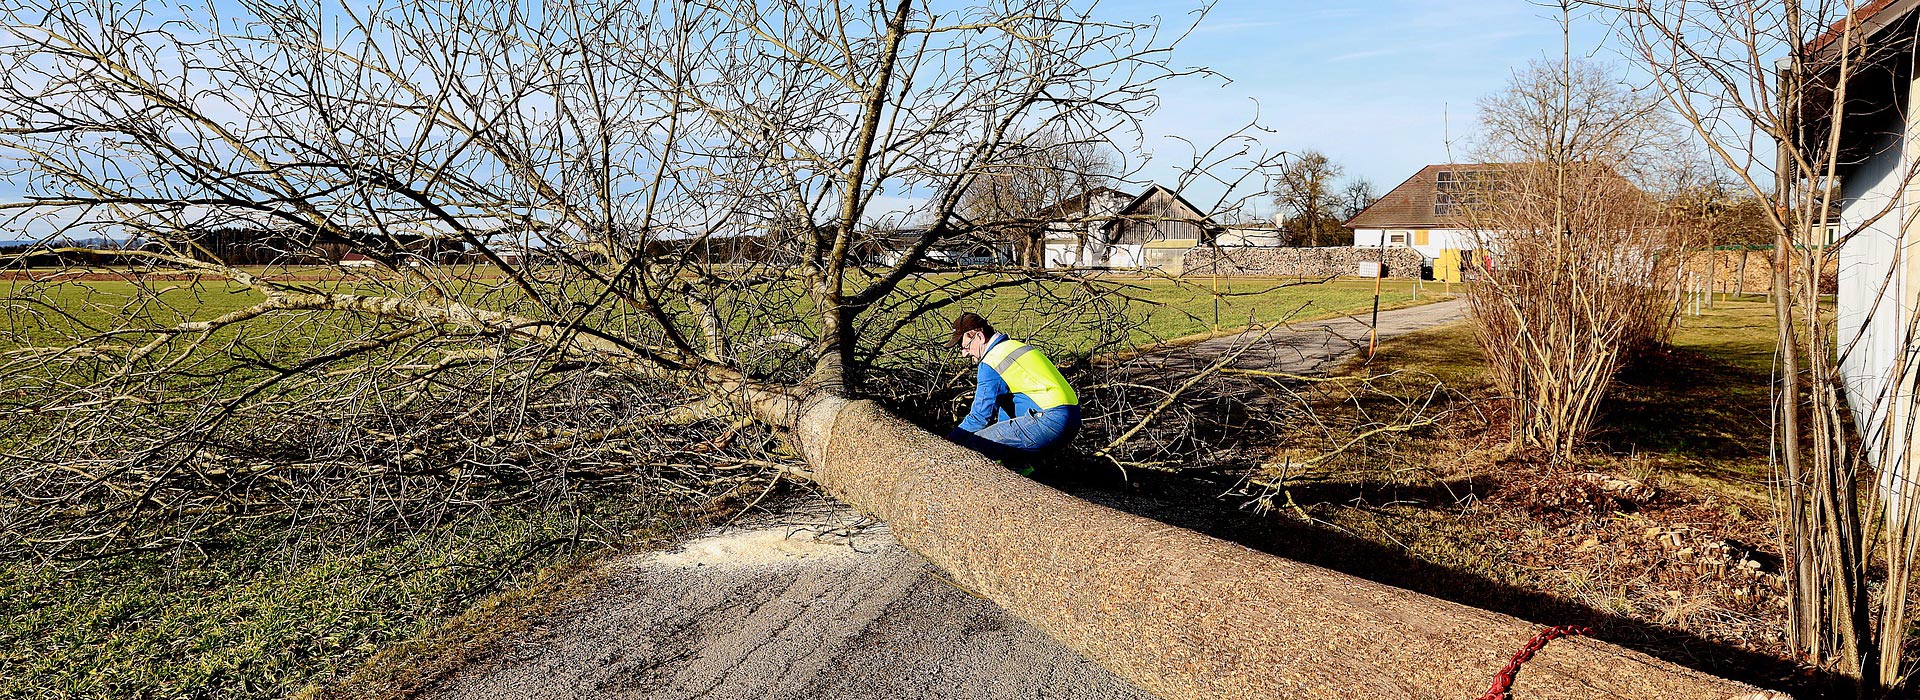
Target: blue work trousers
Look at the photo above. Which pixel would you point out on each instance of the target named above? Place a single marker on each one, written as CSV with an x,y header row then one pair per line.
x,y
1023,437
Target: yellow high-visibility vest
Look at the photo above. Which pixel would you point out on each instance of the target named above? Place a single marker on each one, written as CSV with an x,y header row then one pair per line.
x,y
1026,370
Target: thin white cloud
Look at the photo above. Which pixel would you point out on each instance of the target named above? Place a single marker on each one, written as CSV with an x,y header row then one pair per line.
x,y
1454,46
1232,26
896,210
1371,53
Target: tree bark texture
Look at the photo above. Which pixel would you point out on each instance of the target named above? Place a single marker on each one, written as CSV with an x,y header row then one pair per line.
x,y
1184,615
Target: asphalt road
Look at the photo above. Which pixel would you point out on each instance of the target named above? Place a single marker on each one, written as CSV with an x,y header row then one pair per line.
x,y
1314,346
816,602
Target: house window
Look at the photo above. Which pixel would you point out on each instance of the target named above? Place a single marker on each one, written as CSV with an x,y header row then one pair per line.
x,y
1446,182
1398,238
1453,191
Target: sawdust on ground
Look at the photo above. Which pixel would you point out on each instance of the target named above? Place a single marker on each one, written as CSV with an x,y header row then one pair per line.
x,y
813,603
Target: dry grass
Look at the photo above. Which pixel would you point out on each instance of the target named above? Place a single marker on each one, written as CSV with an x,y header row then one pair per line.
x,y
1659,533
404,668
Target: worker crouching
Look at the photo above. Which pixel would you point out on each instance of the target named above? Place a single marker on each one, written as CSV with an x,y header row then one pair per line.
x,y
1022,407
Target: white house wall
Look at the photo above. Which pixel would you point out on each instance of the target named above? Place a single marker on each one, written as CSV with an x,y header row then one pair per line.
x,y
1069,253
1437,239
1062,245
1064,249
1124,255
1868,320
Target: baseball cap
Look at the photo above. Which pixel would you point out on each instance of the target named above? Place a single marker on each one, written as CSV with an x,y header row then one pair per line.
x,y
968,321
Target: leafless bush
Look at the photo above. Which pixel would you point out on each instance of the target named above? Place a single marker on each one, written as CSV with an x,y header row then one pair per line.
x,y
1806,79
1575,264
1576,280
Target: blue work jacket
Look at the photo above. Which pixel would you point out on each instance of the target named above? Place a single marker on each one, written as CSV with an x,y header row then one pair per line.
x,y
993,400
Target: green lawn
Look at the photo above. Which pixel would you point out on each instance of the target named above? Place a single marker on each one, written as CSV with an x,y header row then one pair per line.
x,y
1146,311
1703,405
1699,407
1154,308
253,615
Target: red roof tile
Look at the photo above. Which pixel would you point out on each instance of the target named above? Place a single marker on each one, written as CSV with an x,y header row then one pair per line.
x,y
1411,204
1866,18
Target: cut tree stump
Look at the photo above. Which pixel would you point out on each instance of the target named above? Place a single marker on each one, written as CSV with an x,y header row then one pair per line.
x,y
1184,615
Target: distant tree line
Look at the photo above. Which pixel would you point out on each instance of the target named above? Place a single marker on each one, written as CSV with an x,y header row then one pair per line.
x,y
15,254
1714,214
244,245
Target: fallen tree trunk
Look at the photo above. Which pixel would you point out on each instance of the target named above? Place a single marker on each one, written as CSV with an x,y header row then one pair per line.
x,y
1185,615
1175,612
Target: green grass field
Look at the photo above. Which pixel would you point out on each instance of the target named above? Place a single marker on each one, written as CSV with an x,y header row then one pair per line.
x,y
1157,308
1704,405
1699,405
1168,310
251,614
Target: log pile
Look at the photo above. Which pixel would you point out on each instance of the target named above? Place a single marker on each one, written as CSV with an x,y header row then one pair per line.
x,y
1259,261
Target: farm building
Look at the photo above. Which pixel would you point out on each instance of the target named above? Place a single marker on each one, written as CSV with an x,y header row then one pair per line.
x,y
885,247
1104,227
1075,231
1156,229
1428,213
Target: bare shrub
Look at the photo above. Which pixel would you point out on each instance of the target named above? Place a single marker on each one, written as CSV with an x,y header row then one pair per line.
x,y
1575,262
1574,284
1787,96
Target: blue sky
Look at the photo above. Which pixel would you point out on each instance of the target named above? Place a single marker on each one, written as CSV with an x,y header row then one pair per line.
x,y
1374,85
1377,86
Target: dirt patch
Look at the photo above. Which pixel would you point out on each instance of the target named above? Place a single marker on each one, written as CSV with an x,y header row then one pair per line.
x,y
1670,556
